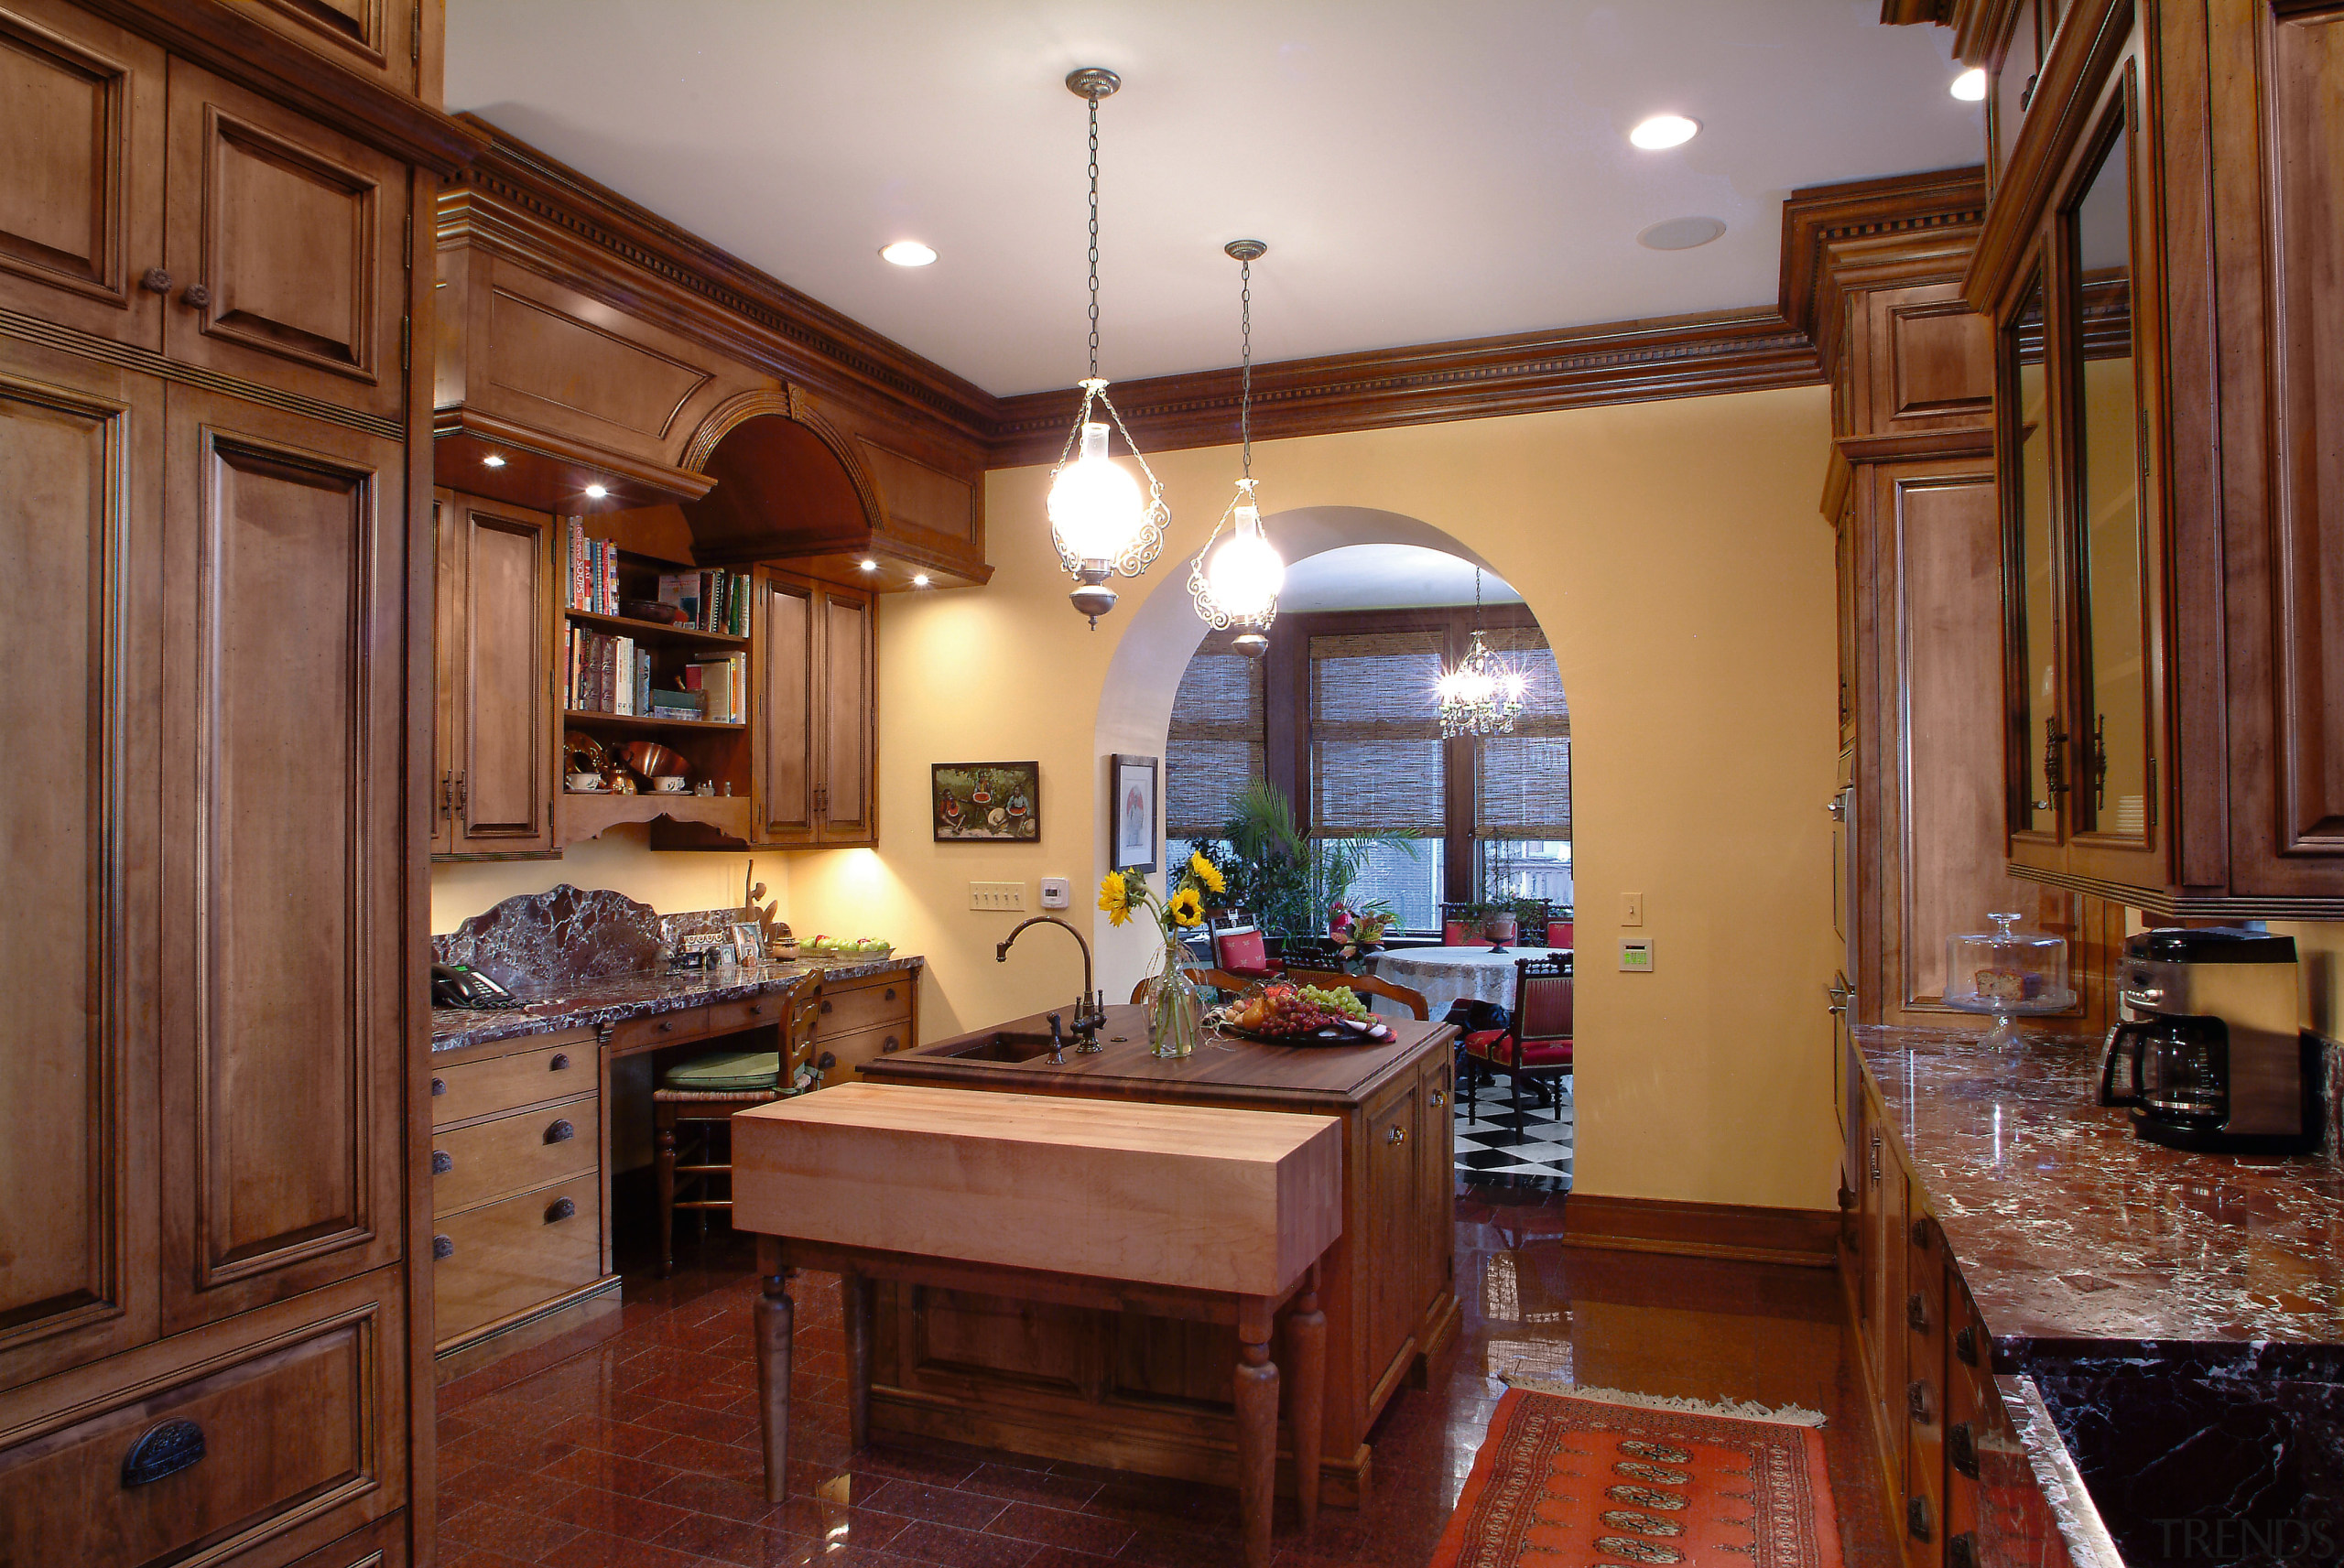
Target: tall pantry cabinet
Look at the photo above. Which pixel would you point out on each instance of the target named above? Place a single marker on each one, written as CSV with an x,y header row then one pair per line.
x,y
216,620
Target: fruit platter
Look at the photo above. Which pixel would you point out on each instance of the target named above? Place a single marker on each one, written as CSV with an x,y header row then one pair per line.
x,y
1284,1014
846,947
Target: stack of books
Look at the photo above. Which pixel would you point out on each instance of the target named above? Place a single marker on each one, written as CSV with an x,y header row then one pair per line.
x,y
722,686
593,572
607,674
711,602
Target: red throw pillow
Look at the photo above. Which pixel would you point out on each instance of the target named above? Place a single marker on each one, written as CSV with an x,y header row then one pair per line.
x,y
1558,932
1452,934
1242,952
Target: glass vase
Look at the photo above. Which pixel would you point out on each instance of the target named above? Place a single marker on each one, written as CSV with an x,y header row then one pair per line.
x,y
1176,1008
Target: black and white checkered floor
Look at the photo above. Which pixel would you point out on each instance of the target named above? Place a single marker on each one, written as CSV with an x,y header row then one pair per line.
x,y
1491,1145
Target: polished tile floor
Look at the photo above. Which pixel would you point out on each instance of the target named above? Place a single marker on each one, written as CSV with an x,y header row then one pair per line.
x,y
1493,1142
641,1449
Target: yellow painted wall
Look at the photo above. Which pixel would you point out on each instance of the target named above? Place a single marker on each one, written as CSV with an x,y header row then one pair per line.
x,y
1672,552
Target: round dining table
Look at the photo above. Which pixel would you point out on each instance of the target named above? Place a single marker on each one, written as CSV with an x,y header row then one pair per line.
x,y
1447,974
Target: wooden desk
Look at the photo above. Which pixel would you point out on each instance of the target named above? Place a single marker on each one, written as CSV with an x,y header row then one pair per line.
x,y
1207,1214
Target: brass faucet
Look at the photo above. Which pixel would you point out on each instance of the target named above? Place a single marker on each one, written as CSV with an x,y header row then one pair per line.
x,y
1090,1011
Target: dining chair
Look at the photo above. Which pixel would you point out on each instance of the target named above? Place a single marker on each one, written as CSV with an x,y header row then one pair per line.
x,y
1367,985
698,1098
1536,1043
1241,949
1217,979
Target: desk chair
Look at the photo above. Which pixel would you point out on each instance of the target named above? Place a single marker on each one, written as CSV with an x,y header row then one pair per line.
x,y
1537,1043
701,1094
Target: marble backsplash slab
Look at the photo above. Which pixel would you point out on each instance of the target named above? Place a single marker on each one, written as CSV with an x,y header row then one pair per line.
x,y
567,935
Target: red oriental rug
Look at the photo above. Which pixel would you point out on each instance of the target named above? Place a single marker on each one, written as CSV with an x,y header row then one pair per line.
x,y
1570,1481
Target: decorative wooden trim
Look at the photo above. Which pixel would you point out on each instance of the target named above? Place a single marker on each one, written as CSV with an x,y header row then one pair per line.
x,y
2183,904
1870,234
1475,378
642,483
1808,1238
730,413
223,39
1957,441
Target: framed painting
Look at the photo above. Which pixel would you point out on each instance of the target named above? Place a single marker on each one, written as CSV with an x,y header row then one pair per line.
x,y
1131,809
993,802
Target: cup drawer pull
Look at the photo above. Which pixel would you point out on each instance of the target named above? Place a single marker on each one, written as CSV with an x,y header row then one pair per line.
x,y
561,1131
165,1450
560,1209
442,1161
560,1063
438,1088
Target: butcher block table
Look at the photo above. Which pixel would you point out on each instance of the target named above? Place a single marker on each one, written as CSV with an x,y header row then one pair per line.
x,y
1199,1213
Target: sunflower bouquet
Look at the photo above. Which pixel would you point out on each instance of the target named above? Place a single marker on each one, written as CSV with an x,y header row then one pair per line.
x,y
1175,1006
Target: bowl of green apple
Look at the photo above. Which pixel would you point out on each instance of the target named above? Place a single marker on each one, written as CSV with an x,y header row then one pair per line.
x,y
848,947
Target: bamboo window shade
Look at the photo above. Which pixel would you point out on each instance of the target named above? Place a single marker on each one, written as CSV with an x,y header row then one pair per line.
x,y
1215,746
1375,746
1523,780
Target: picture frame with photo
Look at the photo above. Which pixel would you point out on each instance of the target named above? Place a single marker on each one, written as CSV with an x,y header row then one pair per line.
x,y
995,803
1136,842
748,941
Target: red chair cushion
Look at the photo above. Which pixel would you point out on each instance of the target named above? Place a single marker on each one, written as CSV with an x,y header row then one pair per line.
x,y
1242,952
1453,934
1496,1045
1558,932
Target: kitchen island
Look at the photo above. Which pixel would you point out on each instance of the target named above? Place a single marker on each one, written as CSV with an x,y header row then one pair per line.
x,y
1135,1391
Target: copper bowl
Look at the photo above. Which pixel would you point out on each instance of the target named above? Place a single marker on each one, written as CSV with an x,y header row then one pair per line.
x,y
652,760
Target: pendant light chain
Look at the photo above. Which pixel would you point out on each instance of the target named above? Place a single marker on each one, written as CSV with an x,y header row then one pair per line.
x,y
1094,236
1245,376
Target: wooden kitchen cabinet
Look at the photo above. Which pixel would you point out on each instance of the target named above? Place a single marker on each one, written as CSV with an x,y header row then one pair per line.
x,y
395,42
817,712
496,753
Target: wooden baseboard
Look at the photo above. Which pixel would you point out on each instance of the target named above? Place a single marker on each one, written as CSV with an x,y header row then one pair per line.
x,y
1807,1238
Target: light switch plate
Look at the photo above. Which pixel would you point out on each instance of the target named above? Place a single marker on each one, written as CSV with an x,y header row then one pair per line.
x,y
996,895
1631,909
1056,894
1636,956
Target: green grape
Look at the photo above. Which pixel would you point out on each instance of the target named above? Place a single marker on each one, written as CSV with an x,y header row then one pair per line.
x,y
1339,1000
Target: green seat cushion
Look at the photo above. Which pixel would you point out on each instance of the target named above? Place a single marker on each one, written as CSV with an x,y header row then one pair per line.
x,y
721,1070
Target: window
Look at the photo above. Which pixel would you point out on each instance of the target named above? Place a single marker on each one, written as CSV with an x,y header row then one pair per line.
x,y
1521,794
1375,746
1214,749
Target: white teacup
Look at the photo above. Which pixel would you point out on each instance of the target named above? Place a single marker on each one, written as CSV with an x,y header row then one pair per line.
x,y
586,783
671,784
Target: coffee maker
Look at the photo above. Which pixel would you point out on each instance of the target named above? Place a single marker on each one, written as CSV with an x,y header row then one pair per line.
x,y
2207,1049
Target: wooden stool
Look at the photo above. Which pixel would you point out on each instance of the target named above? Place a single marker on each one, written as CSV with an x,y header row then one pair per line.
x,y
706,1091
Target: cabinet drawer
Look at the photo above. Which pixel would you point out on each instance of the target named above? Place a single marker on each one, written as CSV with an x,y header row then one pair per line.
x,y
865,1007
849,1052
508,1257
756,1012
488,1159
662,1029
291,1431
468,1089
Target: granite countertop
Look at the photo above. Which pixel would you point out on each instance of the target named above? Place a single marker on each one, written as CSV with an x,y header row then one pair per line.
x,y
614,999
2068,1228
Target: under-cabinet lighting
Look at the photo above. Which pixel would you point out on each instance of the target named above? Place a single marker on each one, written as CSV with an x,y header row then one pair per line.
x,y
907,253
921,581
493,461
869,565
1970,85
595,493
1663,131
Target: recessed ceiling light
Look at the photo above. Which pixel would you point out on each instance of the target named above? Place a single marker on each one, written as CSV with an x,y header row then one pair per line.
x,y
1663,131
1680,233
596,492
868,566
921,581
492,461
907,253
1970,85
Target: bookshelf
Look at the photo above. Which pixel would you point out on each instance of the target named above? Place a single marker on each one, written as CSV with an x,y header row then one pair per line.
x,y
657,634
588,718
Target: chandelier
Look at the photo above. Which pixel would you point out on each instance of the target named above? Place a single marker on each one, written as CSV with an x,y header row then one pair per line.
x,y
1480,694
1098,520
1236,584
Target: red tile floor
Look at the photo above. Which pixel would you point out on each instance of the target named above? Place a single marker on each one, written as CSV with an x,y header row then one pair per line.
x,y
641,1449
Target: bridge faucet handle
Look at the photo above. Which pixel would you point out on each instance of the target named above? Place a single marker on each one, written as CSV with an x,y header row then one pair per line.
x,y
1058,1044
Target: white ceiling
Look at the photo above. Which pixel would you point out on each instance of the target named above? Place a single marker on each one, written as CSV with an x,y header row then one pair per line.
x,y
1384,576
1421,171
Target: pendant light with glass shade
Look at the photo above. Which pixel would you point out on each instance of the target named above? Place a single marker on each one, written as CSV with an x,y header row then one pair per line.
x,y
1482,693
1235,581
1098,519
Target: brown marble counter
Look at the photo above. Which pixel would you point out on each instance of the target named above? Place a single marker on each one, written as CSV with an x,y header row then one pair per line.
x,y
2068,1228
614,999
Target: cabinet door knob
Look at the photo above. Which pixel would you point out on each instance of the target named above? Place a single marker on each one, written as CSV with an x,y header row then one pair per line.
x,y
164,1450
890,1043
157,281
756,1010
561,1132
442,1161
1961,1448
195,294
560,1209
826,1007
1440,1097
560,1064
1397,1135
891,993
438,1088
442,1249
1964,1345
826,1060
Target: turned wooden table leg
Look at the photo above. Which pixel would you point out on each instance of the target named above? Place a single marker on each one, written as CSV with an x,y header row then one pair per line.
x,y
1257,1427
1306,1329
854,1301
773,1317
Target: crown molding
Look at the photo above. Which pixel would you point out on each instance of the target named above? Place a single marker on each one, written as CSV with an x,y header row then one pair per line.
x,y
1874,234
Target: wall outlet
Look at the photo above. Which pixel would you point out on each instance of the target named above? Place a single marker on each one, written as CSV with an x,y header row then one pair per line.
x,y
1636,956
996,895
1631,909
1056,894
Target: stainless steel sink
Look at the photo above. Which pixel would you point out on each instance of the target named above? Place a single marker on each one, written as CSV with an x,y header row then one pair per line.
x,y
1001,1047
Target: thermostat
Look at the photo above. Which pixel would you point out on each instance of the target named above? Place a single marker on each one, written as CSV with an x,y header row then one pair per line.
x,y
1053,892
1636,956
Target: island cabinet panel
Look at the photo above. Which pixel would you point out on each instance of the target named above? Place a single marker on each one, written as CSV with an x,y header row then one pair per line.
x,y
494,681
285,247
79,446
1387,1169
82,187
283,1063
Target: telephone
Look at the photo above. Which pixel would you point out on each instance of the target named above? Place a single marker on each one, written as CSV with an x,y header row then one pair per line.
x,y
455,985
